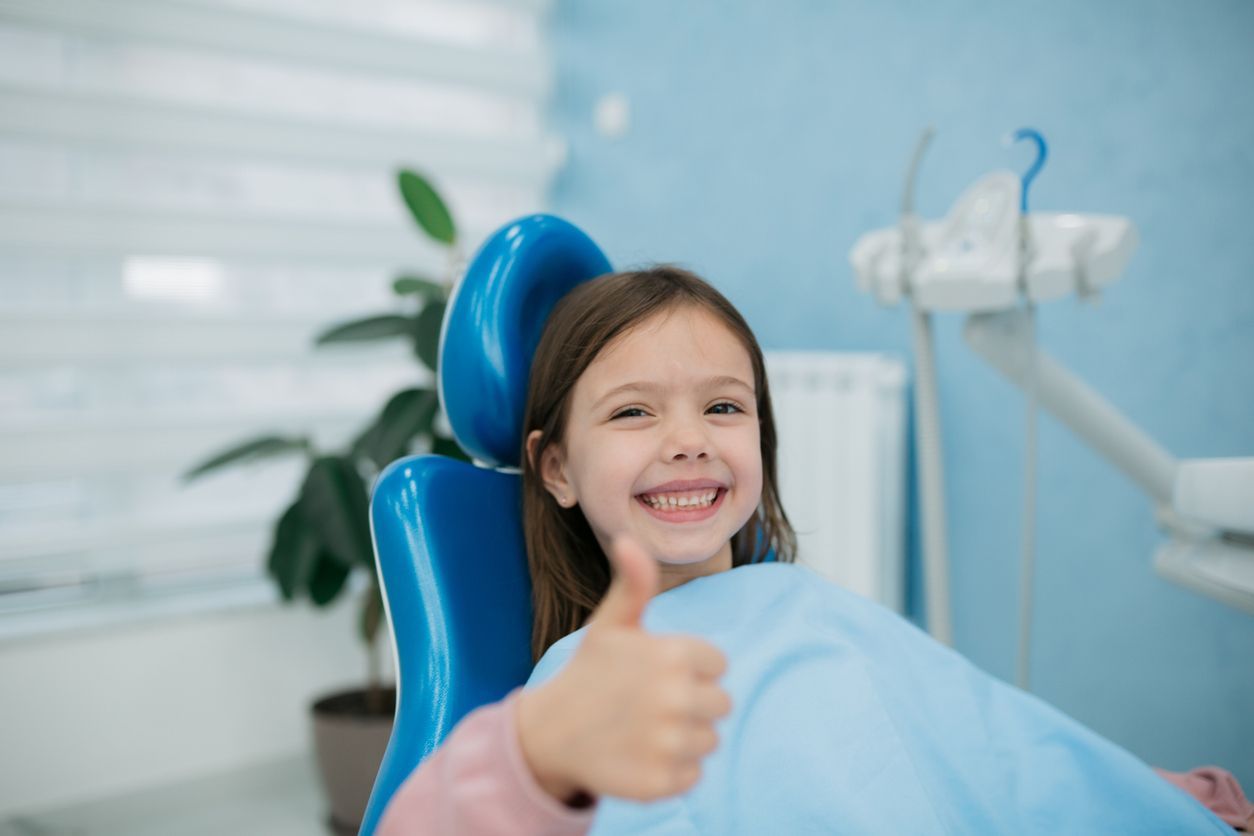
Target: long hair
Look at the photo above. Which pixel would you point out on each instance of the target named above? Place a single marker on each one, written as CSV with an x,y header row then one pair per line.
x,y
569,571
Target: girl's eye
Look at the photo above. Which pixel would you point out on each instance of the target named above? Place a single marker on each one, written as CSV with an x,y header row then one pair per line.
x,y
724,408
629,412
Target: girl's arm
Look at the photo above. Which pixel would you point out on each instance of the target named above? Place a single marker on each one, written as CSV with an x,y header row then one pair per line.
x,y
478,783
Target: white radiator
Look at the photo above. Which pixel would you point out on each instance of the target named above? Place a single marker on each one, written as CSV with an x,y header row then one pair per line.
x,y
841,420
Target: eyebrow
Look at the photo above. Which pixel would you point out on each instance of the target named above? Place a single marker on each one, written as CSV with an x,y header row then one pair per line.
x,y
644,386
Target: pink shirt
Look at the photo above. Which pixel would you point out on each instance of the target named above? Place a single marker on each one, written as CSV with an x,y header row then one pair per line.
x,y
477,784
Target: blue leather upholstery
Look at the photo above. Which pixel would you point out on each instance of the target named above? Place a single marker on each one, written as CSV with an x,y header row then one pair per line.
x,y
494,324
448,535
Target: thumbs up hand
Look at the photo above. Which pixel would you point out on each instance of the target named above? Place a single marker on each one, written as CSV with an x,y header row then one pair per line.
x,y
632,715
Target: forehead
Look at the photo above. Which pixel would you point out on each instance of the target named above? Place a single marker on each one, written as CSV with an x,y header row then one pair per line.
x,y
685,343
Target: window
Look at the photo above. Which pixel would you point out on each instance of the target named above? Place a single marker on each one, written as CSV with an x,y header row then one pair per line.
x,y
188,193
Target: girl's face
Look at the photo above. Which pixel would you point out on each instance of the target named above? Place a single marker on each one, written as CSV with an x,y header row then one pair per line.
x,y
661,443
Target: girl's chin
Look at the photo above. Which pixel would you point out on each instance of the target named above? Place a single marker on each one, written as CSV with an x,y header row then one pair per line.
x,y
683,557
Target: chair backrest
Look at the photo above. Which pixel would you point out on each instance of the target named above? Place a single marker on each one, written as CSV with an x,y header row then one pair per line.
x,y
447,535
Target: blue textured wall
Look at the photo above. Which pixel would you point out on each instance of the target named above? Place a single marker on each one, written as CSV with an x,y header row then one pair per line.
x,y
767,136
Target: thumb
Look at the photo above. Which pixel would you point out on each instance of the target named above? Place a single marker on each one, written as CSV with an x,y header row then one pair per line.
x,y
635,582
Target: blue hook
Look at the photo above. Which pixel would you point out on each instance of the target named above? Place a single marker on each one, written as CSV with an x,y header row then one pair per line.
x,y
1042,151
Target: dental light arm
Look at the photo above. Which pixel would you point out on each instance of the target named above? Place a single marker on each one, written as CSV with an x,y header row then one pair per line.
x,y
1205,505
1214,493
999,338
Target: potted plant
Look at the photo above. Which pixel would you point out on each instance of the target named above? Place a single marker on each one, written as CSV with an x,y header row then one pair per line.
x,y
322,539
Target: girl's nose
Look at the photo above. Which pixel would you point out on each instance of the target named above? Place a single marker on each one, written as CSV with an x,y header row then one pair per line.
x,y
687,441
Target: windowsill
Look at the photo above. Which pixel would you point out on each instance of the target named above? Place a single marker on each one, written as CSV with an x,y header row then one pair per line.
x,y
139,610
239,594
277,798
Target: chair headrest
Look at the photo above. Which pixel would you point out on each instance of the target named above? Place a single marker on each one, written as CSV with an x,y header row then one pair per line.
x,y
493,324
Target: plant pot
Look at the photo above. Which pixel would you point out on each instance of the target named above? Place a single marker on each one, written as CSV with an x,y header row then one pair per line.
x,y
350,737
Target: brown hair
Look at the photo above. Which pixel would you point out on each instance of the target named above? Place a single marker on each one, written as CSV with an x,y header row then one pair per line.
x,y
569,572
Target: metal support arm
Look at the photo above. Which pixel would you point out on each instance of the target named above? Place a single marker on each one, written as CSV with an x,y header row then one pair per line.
x,y
998,338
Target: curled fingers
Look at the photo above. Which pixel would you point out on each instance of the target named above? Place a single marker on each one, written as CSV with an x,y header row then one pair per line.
x,y
704,659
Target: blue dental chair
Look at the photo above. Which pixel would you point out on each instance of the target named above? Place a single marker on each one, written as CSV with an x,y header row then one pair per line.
x,y
448,535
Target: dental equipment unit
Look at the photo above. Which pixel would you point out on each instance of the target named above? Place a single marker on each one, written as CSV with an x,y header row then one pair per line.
x,y
995,261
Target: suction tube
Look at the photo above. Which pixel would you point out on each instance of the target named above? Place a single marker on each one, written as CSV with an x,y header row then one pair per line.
x,y
927,431
1027,542
927,440
1027,545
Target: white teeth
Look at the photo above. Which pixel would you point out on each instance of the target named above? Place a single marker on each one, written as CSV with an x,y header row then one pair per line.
x,y
666,502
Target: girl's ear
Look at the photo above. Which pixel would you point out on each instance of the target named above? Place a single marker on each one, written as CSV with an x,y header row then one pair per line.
x,y
549,465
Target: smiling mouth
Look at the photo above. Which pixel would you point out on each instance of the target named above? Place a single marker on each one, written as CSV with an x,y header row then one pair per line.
x,y
682,506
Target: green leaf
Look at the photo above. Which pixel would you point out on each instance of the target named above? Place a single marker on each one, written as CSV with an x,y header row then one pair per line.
x,y
427,207
258,448
363,445
425,288
426,333
293,553
442,446
335,505
327,579
371,613
408,414
371,328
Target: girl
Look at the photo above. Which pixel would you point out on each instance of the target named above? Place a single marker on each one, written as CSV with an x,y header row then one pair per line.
x,y
651,440
649,418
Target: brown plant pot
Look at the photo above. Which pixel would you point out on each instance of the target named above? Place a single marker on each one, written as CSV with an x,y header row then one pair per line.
x,y
350,737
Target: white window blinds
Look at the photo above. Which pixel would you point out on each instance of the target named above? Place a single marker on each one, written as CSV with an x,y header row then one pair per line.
x,y
190,190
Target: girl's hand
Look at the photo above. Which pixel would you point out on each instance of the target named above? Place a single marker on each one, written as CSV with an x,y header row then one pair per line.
x,y
632,714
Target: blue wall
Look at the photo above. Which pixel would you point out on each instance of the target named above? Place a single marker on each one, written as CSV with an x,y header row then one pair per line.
x,y
767,136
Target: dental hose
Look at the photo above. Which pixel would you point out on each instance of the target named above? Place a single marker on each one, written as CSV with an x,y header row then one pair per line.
x,y
1027,557
927,439
1027,544
927,419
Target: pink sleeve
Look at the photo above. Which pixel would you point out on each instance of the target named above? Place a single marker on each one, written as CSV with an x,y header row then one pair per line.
x,y
477,783
1218,790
